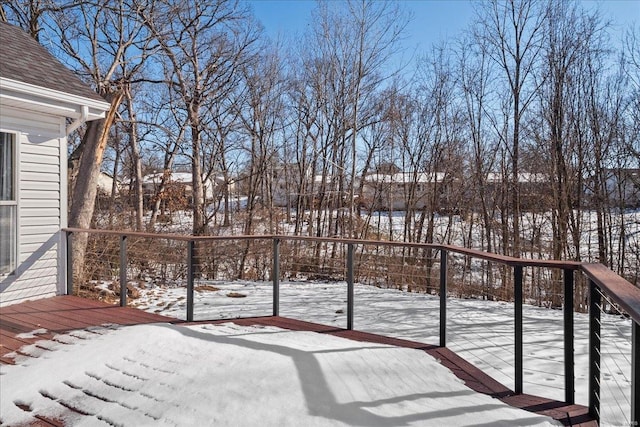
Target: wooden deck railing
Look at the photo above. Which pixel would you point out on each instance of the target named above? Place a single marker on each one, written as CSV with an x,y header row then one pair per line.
x,y
602,283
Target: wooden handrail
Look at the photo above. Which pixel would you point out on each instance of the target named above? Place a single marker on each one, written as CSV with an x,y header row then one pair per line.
x,y
502,259
512,261
617,288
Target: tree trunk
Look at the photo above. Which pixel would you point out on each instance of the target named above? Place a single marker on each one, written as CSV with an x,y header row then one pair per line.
x,y
85,187
137,162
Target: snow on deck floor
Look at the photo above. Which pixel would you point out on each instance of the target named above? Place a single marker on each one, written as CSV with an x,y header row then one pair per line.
x,y
230,375
482,332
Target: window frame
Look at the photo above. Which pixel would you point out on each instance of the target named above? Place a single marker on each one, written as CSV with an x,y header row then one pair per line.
x,y
15,136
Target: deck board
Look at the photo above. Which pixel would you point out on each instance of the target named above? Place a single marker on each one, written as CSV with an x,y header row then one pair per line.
x,y
65,313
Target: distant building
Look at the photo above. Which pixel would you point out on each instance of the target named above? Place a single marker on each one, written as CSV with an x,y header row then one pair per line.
x,y
105,185
622,187
213,187
535,189
286,186
400,190
403,190
291,189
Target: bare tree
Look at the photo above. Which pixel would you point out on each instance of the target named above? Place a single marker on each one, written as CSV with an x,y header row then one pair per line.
x,y
134,144
302,149
439,129
166,133
260,117
512,32
571,37
604,107
632,68
350,44
203,46
30,14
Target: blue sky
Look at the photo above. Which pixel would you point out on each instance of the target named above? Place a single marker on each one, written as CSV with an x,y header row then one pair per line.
x,y
433,20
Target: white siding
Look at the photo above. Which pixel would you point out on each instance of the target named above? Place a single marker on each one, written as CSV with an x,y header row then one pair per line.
x,y
41,204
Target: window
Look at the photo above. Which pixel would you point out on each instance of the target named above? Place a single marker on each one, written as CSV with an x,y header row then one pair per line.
x,y
8,203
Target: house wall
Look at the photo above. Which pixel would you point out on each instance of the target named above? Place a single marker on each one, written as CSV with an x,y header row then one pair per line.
x,y
105,184
42,209
394,196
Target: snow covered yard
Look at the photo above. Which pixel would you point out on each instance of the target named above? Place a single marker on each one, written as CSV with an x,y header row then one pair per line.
x,y
162,374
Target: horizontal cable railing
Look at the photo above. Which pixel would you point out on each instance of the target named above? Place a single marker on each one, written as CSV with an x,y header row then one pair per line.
x,y
201,262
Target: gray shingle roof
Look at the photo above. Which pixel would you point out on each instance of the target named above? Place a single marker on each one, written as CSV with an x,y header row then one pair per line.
x,y
25,60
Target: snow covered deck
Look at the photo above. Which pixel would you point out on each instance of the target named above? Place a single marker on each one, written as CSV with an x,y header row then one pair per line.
x,y
27,323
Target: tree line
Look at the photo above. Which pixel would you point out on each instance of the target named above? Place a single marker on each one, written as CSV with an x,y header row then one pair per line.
x,y
532,87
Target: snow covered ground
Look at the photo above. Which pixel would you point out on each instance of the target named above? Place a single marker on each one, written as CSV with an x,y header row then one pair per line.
x,y
228,375
479,331
535,226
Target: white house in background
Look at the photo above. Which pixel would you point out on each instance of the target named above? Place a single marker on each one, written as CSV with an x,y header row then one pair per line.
x,y
37,96
623,187
394,191
105,184
287,190
535,188
213,186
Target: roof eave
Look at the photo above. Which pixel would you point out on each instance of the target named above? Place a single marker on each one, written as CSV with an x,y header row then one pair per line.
x,y
52,101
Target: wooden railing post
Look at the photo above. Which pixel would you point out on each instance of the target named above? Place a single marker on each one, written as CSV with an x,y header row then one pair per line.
x,y
69,262
569,365
276,277
595,301
190,274
517,296
350,286
443,298
123,271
